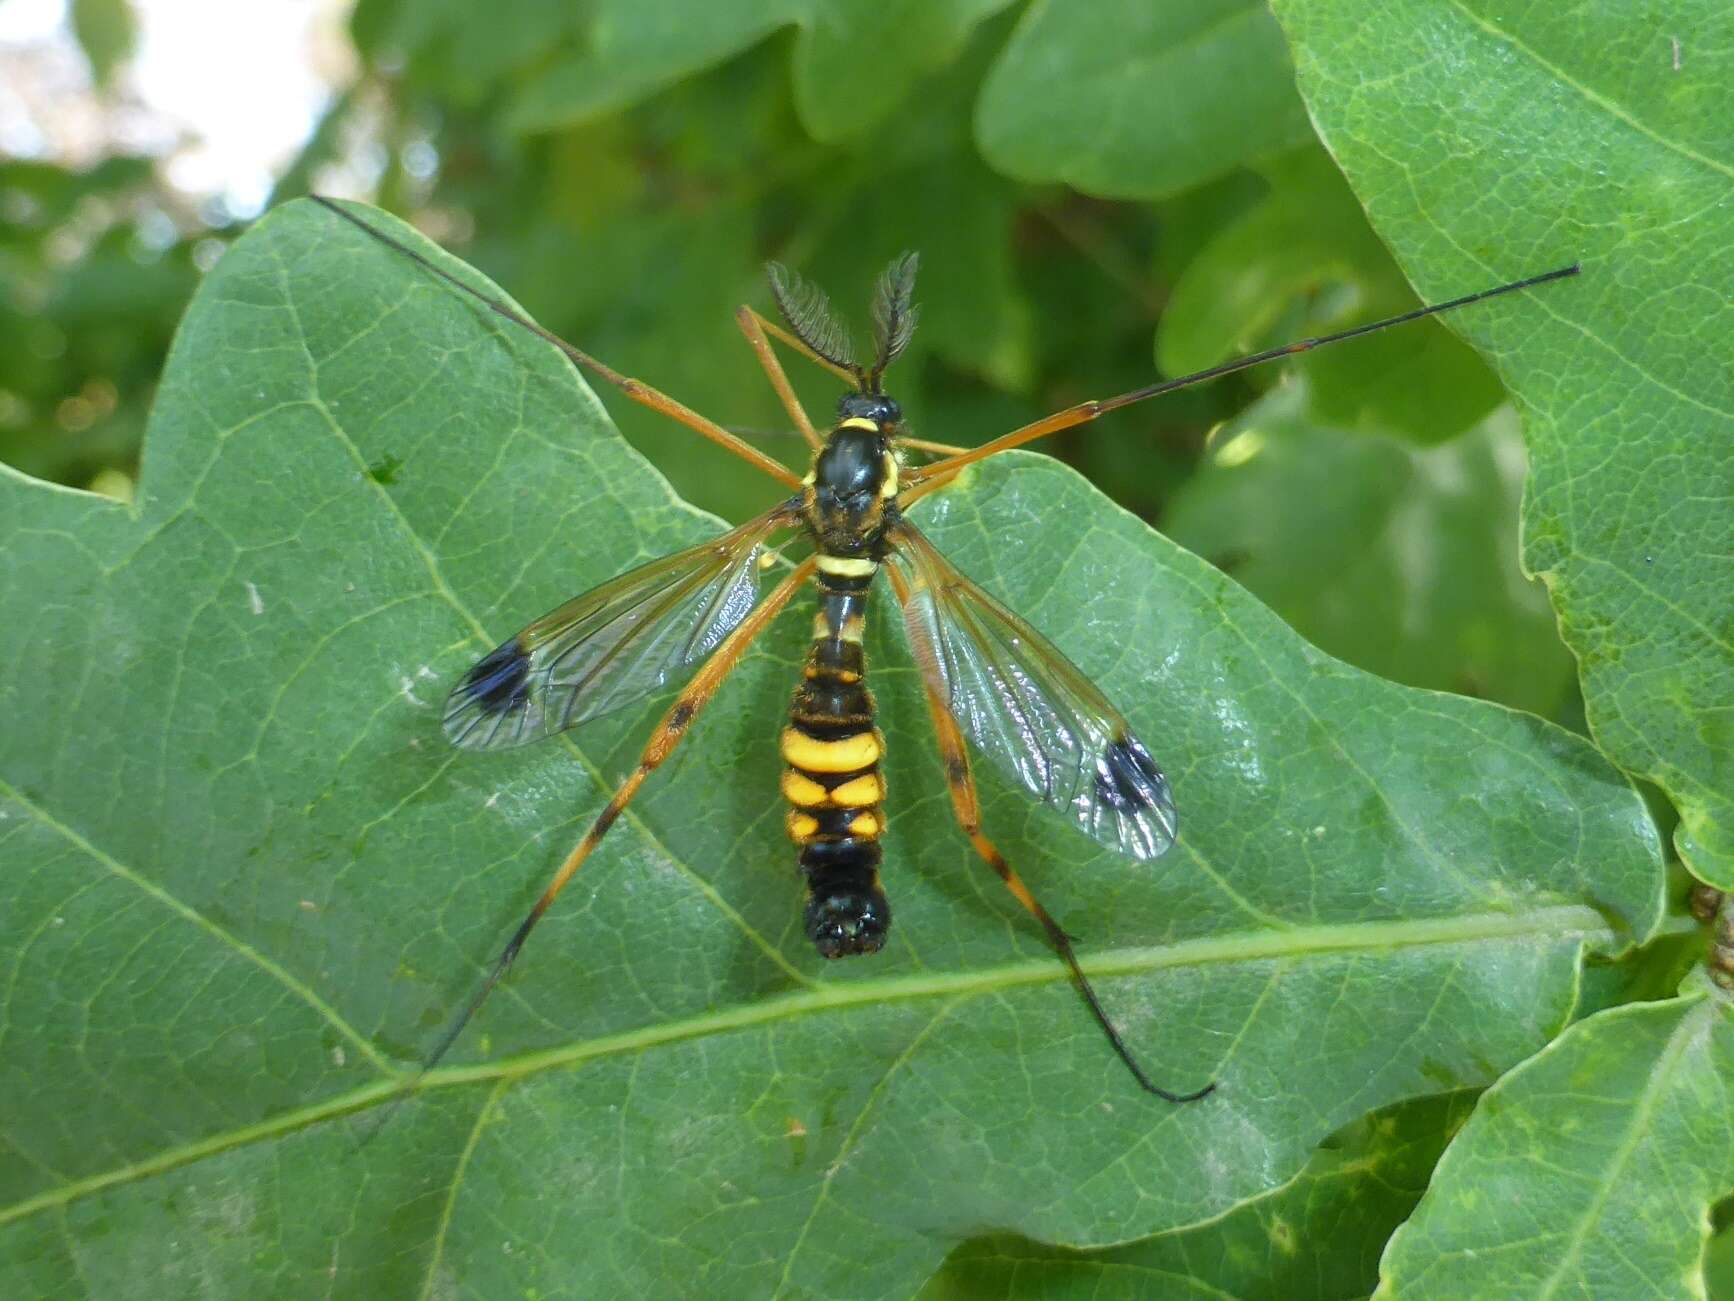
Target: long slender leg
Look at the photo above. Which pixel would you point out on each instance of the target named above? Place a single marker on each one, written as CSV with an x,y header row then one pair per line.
x,y
967,805
1087,411
637,390
753,326
924,445
1081,414
662,743
926,484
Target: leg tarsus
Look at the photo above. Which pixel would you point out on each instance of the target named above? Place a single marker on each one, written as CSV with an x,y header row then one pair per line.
x,y
1062,944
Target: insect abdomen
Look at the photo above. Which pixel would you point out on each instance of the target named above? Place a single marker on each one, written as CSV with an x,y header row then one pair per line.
x,y
833,782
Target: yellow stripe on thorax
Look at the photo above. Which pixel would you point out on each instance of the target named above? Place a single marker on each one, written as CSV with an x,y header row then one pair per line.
x,y
847,566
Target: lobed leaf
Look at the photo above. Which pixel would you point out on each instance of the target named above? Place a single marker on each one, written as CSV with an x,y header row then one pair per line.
x,y
1401,560
1131,100
246,881
1318,1236
1589,1170
1503,141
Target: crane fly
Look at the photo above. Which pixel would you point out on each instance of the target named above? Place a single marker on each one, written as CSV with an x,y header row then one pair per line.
x,y
989,677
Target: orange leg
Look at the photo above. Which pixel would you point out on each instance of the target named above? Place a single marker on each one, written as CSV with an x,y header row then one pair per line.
x,y
1081,414
753,326
645,395
668,734
938,449
924,482
776,331
967,805
1088,411
637,390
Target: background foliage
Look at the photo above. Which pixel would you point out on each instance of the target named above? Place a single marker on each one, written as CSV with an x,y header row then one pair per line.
x,y
1097,191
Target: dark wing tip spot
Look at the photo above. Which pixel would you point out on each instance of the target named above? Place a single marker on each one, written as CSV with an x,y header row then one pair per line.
x,y
498,682
1128,779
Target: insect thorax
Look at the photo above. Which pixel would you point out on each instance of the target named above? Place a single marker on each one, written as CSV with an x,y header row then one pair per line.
x,y
851,492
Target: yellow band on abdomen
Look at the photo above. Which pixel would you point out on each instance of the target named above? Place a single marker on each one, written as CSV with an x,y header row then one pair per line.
x,y
844,754
802,791
859,792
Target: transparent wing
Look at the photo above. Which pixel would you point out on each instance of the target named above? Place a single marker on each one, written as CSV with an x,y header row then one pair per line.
x,y
613,645
1027,708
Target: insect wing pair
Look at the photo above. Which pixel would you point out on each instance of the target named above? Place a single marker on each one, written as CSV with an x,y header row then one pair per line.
x,y
988,675
1028,709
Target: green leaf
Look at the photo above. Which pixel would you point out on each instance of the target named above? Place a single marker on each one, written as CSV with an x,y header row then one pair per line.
x,y
247,883
461,51
854,60
1590,1170
82,341
1319,1235
630,51
652,286
1719,1259
1419,546
1506,141
971,312
1304,262
1132,100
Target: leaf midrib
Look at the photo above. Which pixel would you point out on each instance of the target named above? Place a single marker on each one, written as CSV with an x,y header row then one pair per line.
x,y
1593,96
1553,923
1638,1129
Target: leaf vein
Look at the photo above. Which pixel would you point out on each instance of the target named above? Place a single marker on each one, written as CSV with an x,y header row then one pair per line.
x,y
1595,97
154,891
1553,924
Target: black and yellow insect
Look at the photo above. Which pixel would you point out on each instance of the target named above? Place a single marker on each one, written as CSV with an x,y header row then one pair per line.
x,y
989,676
